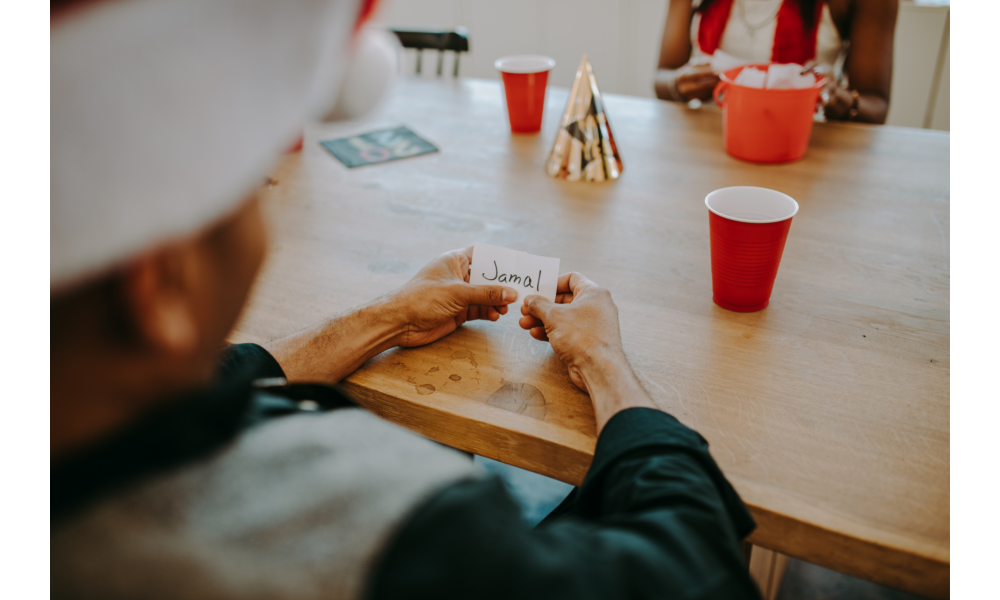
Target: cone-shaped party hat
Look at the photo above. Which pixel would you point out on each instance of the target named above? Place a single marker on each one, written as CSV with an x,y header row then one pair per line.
x,y
585,149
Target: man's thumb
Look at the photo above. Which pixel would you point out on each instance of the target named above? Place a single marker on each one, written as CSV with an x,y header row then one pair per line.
x,y
489,295
538,306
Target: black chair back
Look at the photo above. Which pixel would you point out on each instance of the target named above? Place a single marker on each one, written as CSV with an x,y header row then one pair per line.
x,y
442,40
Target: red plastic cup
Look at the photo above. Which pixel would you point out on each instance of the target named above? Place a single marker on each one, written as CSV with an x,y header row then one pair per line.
x,y
525,77
765,125
748,228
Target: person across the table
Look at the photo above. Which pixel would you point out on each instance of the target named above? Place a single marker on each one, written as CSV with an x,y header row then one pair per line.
x,y
180,472
850,42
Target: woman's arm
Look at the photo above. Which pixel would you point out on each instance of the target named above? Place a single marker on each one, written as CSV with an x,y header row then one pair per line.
x,y
869,66
674,80
675,49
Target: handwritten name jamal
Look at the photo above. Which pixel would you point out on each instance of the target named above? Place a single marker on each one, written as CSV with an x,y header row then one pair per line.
x,y
512,278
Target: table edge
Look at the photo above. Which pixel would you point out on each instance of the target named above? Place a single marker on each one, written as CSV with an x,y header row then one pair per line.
x,y
882,563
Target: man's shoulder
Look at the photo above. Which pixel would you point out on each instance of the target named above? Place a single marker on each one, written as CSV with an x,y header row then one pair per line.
x,y
292,505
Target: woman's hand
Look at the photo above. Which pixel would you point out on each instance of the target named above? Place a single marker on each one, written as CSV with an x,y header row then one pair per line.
x,y
838,104
439,299
697,81
837,100
686,83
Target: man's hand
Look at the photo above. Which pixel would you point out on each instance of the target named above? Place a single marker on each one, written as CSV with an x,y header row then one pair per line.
x,y
582,326
430,306
439,299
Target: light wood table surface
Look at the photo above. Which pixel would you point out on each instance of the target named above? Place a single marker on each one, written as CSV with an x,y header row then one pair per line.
x,y
828,411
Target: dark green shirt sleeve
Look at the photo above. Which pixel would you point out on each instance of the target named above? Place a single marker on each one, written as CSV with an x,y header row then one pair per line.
x,y
654,518
246,361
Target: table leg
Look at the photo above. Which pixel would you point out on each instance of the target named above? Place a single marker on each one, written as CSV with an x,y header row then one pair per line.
x,y
767,569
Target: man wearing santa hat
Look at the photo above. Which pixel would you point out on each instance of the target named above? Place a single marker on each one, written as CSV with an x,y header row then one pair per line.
x,y
179,473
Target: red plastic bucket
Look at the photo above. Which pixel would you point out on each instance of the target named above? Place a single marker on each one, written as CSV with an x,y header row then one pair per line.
x,y
748,227
525,77
762,125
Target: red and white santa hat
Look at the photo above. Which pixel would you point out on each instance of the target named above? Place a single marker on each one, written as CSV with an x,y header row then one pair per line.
x,y
165,113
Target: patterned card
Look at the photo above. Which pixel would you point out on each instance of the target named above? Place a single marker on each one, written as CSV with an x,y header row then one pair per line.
x,y
378,147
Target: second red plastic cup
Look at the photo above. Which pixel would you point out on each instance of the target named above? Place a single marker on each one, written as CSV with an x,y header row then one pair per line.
x,y
525,77
748,228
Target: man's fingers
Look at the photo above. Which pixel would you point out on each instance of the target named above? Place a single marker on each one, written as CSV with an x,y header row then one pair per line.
x,y
465,257
488,295
529,322
485,313
536,306
572,283
467,251
539,334
562,286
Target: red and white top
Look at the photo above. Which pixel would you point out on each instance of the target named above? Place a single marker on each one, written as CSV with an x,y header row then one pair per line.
x,y
763,31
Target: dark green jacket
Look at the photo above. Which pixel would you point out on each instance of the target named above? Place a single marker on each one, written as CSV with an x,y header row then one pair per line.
x,y
654,518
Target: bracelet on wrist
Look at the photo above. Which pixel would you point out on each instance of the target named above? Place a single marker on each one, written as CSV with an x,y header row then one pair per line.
x,y
855,103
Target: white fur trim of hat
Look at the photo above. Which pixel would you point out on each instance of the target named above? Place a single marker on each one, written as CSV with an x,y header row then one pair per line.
x,y
165,114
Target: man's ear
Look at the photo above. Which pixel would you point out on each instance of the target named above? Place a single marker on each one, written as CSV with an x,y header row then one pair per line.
x,y
158,302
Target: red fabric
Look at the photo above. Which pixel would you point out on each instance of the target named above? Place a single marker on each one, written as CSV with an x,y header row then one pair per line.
x,y
793,43
713,24
365,13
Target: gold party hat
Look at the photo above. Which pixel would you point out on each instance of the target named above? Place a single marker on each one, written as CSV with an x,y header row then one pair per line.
x,y
585,149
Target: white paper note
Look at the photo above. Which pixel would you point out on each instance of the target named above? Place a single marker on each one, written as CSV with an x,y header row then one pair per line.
x,y
783,77
527,273
722,61
751,77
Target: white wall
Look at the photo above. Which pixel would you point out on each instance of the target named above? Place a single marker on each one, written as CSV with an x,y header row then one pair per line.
x,y
622,39
920,85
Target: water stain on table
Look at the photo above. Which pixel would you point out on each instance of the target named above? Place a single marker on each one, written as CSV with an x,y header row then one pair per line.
x,y
422,388
465,354
521,398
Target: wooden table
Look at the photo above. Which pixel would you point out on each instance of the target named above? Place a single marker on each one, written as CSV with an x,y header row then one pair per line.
x,y
829,410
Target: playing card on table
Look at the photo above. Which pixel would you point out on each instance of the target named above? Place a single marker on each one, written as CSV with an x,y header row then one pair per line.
x,y
378,147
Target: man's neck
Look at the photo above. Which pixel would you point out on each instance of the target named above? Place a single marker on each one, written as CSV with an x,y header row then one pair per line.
x,y
94,393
